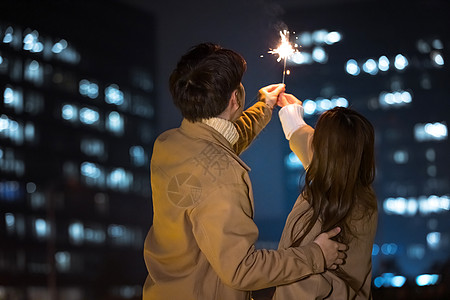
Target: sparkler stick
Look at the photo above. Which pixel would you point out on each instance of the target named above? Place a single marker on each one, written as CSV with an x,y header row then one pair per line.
x,y
284,50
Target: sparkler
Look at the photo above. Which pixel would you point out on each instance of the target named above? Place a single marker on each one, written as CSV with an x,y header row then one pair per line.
x,y
284,50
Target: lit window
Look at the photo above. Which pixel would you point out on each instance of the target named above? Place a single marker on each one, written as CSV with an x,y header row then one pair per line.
x,y
89,89
10,222
92,173
309,107
13,98
341,102
430,131
137,155
333,37
119,179
115,122
370,67
93,147
319,36
427,279
34,72
434,240
113,95
41,228
62,261
301,58
292,162
401,157
306,39
324,104
59,46
319,55
437,58
8,38
31,42
401,62
352,67
69,112
76,233
89,116
416,251
30,132
437,44
383,63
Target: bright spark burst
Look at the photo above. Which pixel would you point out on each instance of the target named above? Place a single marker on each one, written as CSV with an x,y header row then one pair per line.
x,y
285,48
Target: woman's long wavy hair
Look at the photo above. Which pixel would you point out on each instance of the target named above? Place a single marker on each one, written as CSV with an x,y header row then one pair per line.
x,y
338,182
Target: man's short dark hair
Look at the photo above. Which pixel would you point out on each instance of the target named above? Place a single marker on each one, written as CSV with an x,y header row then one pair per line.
x,y
202,83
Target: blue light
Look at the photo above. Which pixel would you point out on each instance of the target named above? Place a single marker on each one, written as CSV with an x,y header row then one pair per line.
x,y
89,116
398,281
309,107
341,102
293,162
333,37
383,63
427,279
69,112
437,58
113,95
370,67
319,55
375,249
90,170
378,282
8,35
352,67
401,62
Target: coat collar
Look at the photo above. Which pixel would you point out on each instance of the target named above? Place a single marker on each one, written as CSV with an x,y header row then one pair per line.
x,y
206,132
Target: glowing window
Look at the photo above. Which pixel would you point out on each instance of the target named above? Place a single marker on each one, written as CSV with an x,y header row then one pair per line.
x,y
69,112
8,37
76,233
292,162
113,95
427,279
137,155
10,222
89,89
34,72
437,58
401,157
89,116
59,46
31,42
370,67
309,107
93,147
62,261
90,170
352,67
119,179
383,63
41,228
115,122
430,131
401,62
13,98
333,37
319,55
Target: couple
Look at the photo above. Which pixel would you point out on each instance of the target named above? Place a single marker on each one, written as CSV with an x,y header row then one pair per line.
x,y
201,243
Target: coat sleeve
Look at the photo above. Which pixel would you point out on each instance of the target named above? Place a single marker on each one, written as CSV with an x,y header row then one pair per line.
x,y
301,144
226,234
250,124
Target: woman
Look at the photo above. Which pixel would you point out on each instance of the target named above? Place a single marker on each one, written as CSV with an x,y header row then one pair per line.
x,y
338,157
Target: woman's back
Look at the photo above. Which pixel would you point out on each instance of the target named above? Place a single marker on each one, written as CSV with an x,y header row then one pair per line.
x,y
353,279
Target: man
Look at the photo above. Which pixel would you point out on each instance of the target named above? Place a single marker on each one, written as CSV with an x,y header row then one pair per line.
x,y
201,243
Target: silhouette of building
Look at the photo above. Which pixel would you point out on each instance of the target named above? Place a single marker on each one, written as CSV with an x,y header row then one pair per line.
x,y
387,60
77,125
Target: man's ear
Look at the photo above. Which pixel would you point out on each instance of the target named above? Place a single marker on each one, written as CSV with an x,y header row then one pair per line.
x,y
234,102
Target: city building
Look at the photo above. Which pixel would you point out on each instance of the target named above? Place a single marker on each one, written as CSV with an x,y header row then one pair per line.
x,y
387,61
77,125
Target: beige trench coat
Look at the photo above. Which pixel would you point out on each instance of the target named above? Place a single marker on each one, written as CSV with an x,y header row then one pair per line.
x,y
201,243
358,264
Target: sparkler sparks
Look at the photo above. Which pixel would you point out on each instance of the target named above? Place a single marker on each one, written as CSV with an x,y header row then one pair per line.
x,y
284,50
